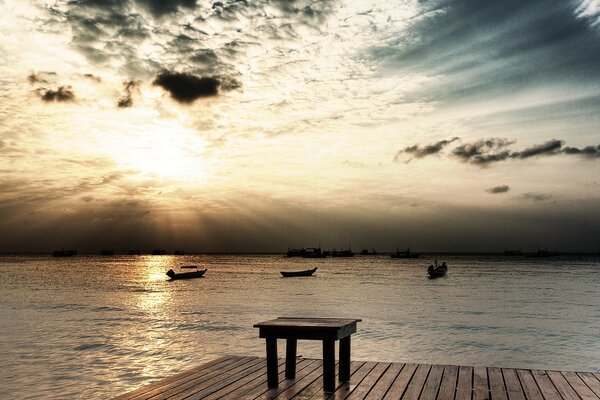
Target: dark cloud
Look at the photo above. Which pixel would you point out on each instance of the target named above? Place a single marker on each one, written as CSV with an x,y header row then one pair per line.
x,y
162,7
130,86
36,78
484,152
480,49
498,189
61,94
186,88
93,77
420,152
589,152
536,197
551,147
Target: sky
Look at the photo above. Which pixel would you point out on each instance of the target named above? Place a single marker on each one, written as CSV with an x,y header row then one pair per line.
x,y
254,126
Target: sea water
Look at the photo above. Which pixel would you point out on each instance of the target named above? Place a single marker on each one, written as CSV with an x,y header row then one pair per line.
x,y
98,326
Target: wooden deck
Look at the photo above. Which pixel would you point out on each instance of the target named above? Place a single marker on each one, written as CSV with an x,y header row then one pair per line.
x,y
235,377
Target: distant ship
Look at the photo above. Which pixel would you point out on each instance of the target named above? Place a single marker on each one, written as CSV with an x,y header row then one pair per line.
x,y
513,252
107,252
342,253
366,252
159,252
404,254
64,253
309,252
543,253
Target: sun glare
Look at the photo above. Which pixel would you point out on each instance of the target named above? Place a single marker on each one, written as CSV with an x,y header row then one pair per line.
x,y
169,152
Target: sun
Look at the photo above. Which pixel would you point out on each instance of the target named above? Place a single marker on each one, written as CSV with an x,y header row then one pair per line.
x,y
168,151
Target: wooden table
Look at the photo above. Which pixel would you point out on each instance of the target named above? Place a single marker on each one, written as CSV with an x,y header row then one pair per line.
x,y
328,330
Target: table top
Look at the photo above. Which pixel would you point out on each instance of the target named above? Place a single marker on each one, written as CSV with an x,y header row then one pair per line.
x,y
308,328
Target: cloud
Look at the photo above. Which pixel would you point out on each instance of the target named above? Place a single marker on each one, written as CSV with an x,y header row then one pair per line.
x,y
483,152
93,77
498,189
130,86
186,88
589,152
420,152
62,94
551,147
536,197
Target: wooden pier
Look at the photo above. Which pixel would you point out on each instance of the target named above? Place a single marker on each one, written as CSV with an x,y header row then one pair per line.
x,y
236,377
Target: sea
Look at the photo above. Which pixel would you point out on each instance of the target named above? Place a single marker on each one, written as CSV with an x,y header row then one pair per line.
x,y
92,327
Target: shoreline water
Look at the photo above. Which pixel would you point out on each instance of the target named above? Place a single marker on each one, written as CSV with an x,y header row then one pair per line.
x,y
97,326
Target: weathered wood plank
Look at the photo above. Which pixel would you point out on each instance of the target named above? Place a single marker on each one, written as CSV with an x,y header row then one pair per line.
x,y
363,388
464,389
513,385
182,391
449,383
383,385
530,388
481,389
204,367
413,391
401,383
243,384
563,387
591,381
191,380
496,381
270,393
299,385
315,389
546,387
584,392
344,390
432,384
221,383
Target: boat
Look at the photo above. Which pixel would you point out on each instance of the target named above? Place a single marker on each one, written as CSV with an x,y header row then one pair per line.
x,y
543,253
64,253
342,253
366,252
309,252
185,275
437,271
289,274
404,254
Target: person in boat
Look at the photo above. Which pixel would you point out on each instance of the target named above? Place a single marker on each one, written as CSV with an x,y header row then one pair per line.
x,y
430,268
444,265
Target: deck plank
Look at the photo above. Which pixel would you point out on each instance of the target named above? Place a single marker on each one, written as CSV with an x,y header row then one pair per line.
x,y
181,375
481,389
496,381
449,383
363,388
343,391
513,385
591,381
383,385
584,392
413,391
563,387
399,386
239,377
464,389
432,384
545,384
530,388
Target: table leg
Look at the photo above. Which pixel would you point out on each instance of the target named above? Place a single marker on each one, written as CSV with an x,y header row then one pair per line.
x,y
290,358
345,359
272,372
328,365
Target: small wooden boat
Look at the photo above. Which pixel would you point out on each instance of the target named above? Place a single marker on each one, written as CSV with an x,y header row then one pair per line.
x,y
290,274
185,275
437,271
